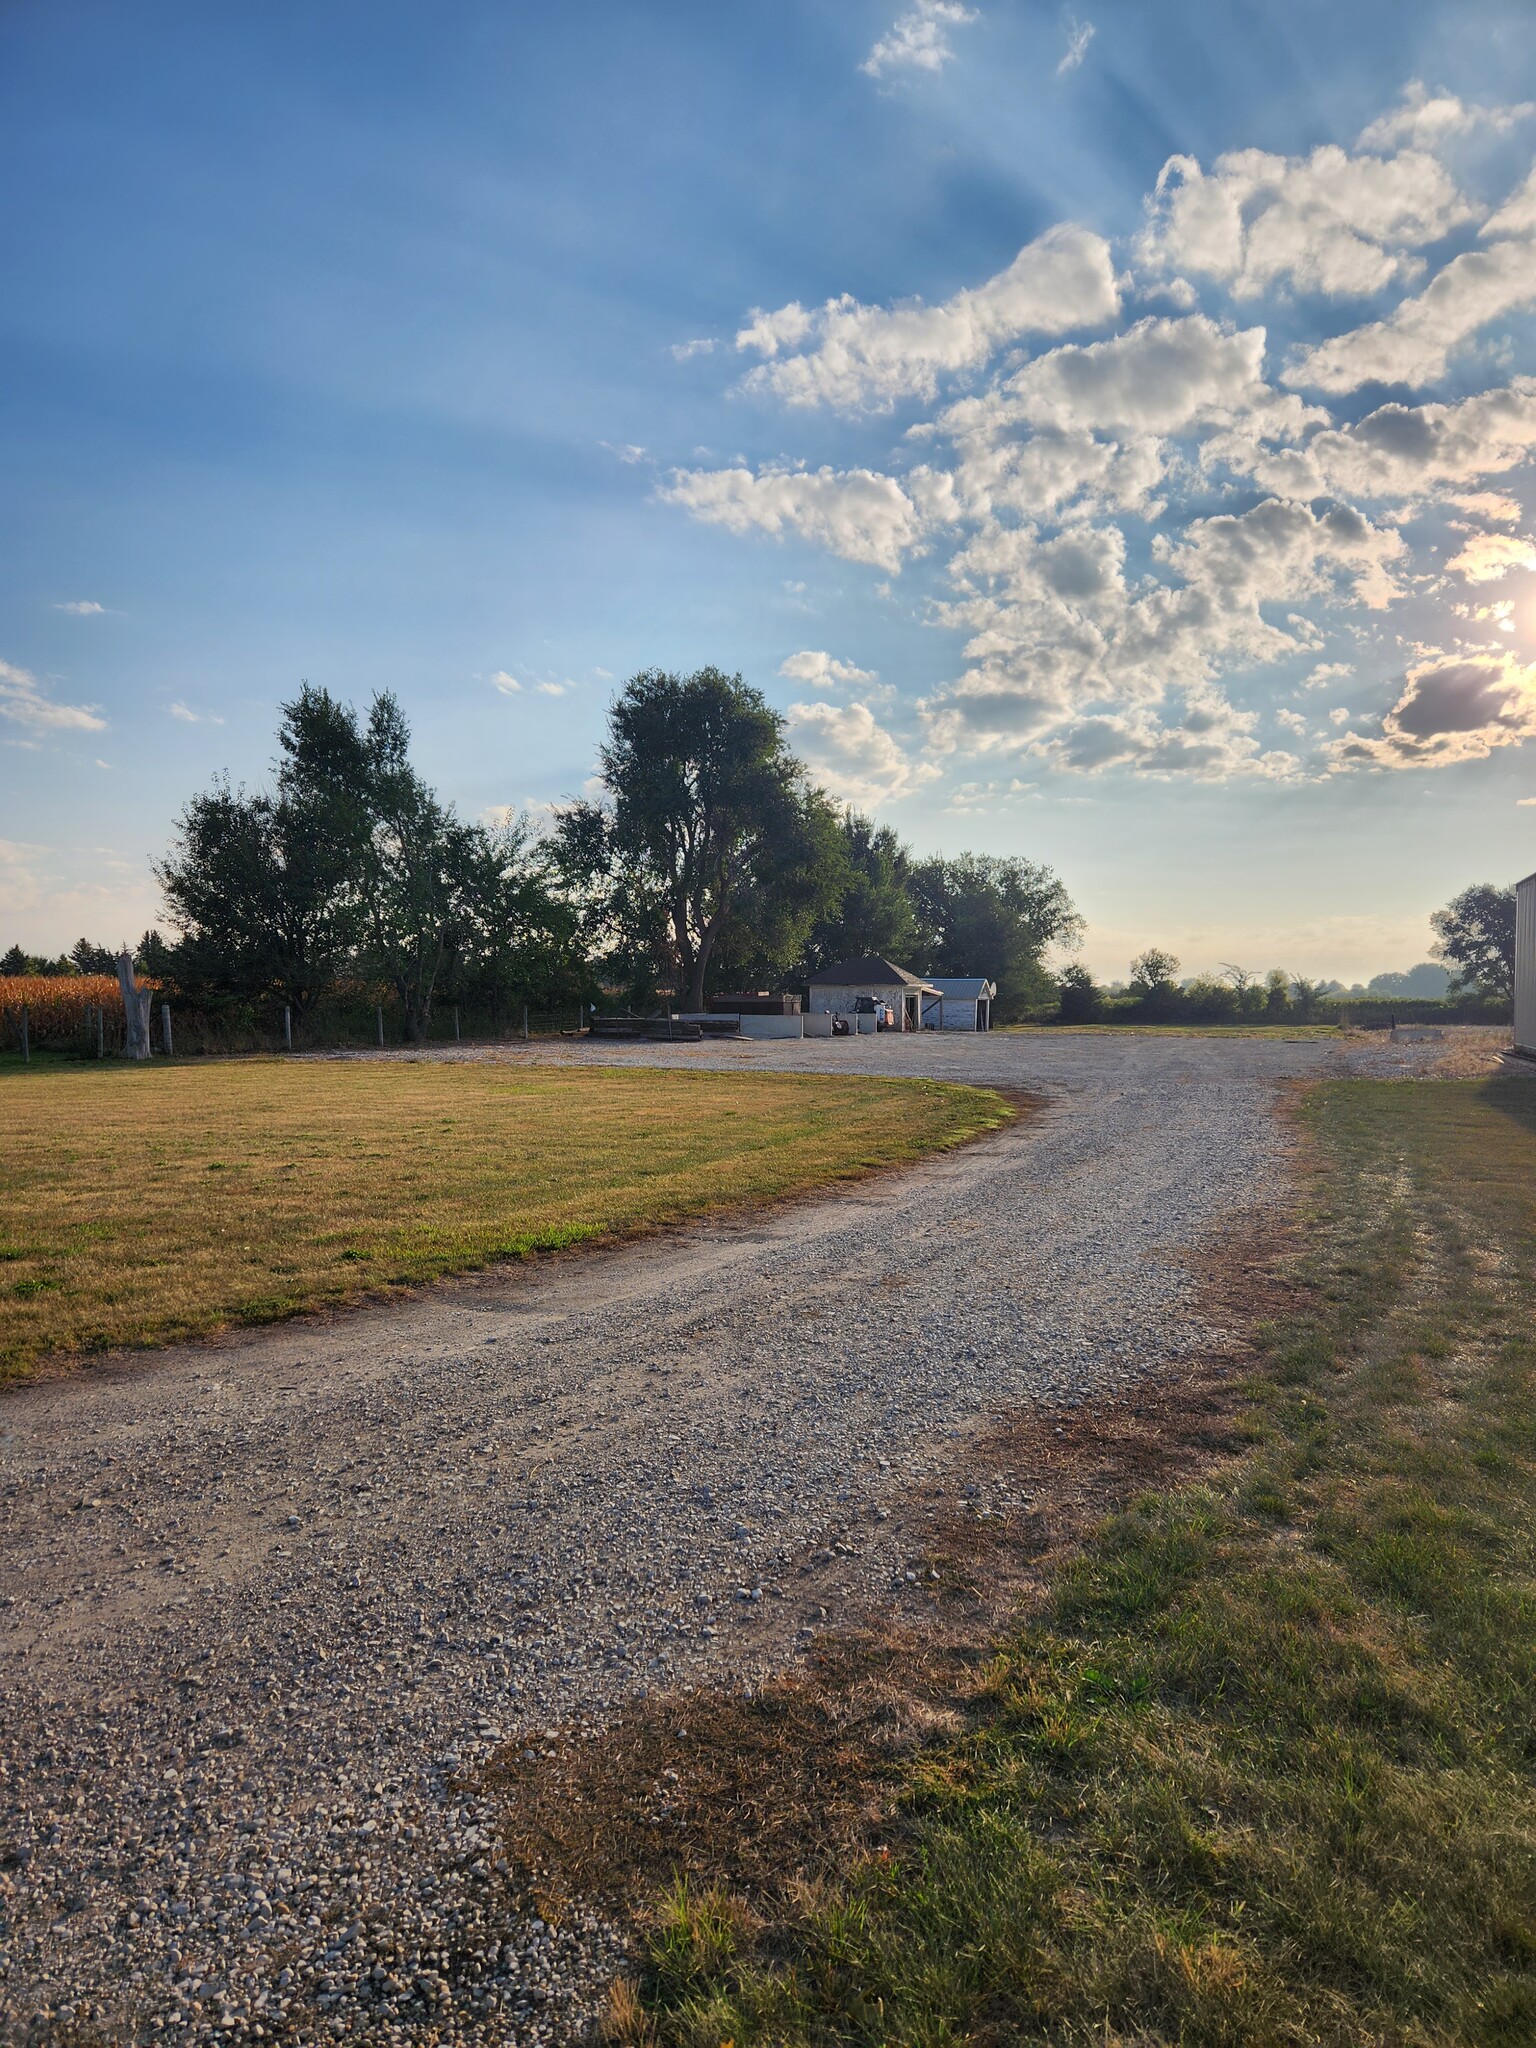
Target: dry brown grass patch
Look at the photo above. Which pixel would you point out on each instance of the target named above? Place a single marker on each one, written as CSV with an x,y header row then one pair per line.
x,y
758,1791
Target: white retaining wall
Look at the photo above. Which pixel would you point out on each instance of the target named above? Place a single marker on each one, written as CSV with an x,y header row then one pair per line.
x,y
771,1027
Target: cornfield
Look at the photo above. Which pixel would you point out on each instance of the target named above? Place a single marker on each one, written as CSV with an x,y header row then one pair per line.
x,y
60,1007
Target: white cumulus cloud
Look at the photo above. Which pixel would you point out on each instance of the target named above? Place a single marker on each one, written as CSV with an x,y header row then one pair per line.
x,y
1487,556
855,513
823,672
81,607
1329,222
853,756
855,357
1425,120
1413,344
1137,539
919,39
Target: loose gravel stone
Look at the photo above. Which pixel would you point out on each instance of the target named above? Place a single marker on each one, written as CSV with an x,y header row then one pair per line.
x,y
268,1601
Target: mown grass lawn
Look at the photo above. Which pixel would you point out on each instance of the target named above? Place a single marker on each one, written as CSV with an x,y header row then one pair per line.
x,y
1261,1771
143,1204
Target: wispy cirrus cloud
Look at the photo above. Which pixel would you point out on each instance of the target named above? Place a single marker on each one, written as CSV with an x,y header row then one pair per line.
x,y
26,703
1079,35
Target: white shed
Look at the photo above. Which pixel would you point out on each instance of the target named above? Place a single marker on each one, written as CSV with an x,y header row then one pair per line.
x,y
1525,967
961,1002
837,989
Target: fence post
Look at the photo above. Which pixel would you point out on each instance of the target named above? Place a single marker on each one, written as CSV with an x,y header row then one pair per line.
x,y
287,1028
165,1027
26,1038
381,1023
135,1009
525,1020
455,1023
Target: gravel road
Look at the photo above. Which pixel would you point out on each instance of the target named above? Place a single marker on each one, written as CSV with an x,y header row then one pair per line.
x,y
263,1600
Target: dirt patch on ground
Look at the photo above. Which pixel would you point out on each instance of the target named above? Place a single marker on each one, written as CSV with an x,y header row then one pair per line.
x,y
756,1788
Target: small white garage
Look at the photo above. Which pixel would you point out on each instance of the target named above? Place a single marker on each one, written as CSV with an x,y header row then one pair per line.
x,y
836,990
960,1002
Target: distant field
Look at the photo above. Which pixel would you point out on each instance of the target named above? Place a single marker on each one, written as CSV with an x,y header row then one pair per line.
x,y
139,1205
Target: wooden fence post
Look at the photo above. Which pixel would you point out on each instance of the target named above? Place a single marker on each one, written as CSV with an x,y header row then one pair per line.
x,y
165,1027
381,1023
101,1031
455,1023
26,1038
525,1020
287,1027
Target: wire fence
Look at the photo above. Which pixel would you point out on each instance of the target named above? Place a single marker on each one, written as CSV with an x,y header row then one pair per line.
x,y
93,1026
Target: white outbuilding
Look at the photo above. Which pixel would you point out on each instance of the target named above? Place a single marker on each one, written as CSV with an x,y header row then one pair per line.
x,y
1525,967
960,1002
836,990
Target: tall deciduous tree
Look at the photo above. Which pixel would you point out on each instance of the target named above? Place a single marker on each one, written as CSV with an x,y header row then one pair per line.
x,y
707,829
985,914
1475,934
873,911
263,888
350,865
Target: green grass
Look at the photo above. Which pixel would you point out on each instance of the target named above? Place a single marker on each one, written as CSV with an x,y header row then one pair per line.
x,y
1261,1769
143,1204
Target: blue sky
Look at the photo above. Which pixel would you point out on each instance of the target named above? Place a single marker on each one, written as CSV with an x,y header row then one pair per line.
x,y
488,354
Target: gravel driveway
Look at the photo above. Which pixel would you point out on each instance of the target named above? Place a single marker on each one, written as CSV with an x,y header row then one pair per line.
x,y
264,1598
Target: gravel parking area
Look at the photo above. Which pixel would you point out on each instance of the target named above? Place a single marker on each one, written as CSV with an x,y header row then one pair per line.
x,y
265,1599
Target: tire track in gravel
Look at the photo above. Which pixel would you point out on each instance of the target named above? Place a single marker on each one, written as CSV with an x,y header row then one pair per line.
x,y
264,1599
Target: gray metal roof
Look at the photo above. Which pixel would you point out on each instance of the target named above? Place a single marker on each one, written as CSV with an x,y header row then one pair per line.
x,y
964,988
871,972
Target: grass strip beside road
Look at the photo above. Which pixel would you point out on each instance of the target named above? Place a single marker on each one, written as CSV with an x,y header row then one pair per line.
x,y
1260,1770
139,1205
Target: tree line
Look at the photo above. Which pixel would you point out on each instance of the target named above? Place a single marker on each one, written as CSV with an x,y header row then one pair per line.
x,y
707,859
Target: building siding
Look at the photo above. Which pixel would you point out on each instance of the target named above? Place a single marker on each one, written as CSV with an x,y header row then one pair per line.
x,y
1525,966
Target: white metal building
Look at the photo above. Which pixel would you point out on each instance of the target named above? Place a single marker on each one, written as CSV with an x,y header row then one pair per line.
x,y
1525,966
836,989
961,1002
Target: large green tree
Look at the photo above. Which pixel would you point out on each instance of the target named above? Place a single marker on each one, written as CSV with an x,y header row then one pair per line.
x,y
993,915
1475,936
262,887
350,866
707,839
873,910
